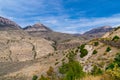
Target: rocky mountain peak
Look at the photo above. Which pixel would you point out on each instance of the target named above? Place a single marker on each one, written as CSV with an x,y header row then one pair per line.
x,y
6,24
37,27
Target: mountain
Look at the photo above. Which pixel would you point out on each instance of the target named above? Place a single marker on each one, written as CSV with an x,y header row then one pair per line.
x,y
18,45
18,49
97,32
6,24
40,30
37,28
102,29
61,40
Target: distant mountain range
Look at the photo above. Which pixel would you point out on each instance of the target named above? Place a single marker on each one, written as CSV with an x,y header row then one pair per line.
x,y
97,32
43,31
39,29
102,29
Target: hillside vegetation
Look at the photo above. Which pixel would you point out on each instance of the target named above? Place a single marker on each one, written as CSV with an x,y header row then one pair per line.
x,y
98,59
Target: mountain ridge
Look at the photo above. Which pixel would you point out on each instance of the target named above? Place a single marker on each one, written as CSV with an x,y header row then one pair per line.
x,y
37,27
7,24
103,29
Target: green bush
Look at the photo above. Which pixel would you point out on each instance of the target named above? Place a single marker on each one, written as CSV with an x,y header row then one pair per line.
x,y
96,71
50,72
94,52
72,70
35,77
114,73
83,52
115,38
108,49
113,69
43,78
110,66
63,59
56,63
71,56
96,43
117,59
82,46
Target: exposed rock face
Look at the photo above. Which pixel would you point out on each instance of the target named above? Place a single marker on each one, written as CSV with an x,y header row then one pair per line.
x,y
37,27
6,24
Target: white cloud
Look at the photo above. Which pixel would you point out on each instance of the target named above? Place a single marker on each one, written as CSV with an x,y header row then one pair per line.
x,y
80,25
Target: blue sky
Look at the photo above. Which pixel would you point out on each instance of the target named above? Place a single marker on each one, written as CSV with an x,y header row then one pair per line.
x,y
69,16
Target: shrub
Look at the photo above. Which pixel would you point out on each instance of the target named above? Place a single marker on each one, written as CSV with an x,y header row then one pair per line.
x,y
35,77
96,71
64,68
43,78
115,62
110,66
115,38
56,59
56,63
96,43
51,73
94,52
117,59
55,48
114,73
108,49
84,52
113,69
63,59
72,70
71,56
82,46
